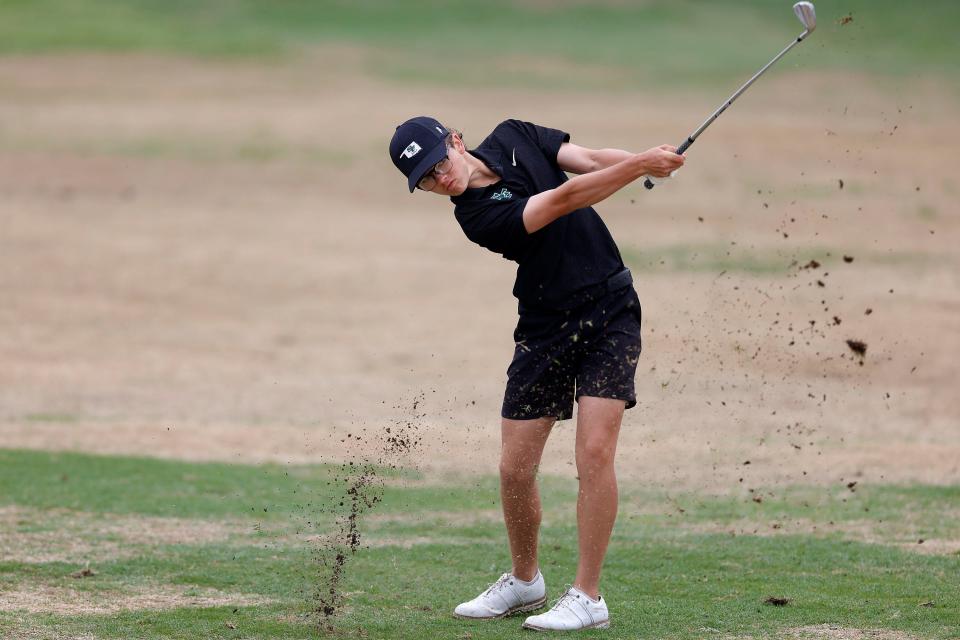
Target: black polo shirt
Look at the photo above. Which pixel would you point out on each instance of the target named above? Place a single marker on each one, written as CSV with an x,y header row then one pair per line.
x,y
569,254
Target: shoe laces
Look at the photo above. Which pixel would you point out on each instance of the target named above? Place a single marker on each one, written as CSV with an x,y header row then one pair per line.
x,y
499,583
561,602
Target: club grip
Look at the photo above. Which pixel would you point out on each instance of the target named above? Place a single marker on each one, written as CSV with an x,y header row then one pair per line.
x,y
648,183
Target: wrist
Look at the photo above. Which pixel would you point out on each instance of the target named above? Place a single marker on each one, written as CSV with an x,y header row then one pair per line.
x,y
641,164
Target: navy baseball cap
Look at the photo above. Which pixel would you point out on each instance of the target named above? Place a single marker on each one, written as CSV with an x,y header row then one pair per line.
x,y
417,145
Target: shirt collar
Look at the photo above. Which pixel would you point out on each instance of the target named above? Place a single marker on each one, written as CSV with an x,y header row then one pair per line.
x,y
493,159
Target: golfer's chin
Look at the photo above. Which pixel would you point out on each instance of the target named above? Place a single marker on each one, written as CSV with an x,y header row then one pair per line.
x,y
454,189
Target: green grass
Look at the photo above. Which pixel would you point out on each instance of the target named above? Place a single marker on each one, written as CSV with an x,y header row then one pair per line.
x,y
708,258
684,41
260,147
674,569
165,487
728,258
51,417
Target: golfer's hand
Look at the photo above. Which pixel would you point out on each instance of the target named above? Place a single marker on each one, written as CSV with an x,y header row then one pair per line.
x,y
661,161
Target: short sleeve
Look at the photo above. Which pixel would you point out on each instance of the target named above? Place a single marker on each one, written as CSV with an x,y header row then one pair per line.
x,y
546,139
495,225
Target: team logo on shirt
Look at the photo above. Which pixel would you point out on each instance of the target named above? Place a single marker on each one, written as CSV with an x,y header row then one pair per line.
x,y
503,194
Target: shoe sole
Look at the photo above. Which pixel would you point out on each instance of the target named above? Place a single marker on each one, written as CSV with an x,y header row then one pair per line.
x,y
597,625
526,608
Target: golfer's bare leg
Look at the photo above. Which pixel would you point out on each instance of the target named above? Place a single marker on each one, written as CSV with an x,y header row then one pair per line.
x,y
598,425
522,446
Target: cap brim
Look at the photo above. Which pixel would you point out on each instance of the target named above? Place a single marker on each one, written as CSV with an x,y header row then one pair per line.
x,y
436,154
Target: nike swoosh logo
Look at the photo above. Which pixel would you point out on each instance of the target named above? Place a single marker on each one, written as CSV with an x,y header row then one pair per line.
x,y
514,156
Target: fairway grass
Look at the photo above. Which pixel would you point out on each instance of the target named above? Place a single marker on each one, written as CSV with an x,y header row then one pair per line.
x,y
188,550
717,258
687,42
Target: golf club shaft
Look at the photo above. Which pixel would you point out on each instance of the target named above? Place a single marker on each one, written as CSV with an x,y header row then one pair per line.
x,y
693,136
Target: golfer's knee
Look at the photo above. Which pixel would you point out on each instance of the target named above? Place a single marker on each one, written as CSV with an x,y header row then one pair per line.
x,y
595,456
517,472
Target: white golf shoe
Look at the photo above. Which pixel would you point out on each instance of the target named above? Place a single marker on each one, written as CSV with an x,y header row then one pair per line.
x,y
574,610
506,596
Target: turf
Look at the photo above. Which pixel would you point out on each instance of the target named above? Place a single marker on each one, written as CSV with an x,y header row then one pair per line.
x,y
681,565
615,43
259,147
732,258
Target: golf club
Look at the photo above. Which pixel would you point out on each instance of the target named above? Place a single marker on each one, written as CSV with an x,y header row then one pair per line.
x,y
805,12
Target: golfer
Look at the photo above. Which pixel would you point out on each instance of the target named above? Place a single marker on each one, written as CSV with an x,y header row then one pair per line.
x,y
578,334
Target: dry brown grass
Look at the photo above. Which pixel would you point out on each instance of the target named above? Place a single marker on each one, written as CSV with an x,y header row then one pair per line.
x,y
238,309
61,535
901,533
836,632
27,630
460,518
40,598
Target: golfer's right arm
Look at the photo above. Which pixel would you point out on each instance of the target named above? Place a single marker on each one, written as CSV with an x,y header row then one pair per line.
x,y
590,188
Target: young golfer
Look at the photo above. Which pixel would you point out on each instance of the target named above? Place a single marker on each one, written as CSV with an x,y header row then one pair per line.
x,y
578,334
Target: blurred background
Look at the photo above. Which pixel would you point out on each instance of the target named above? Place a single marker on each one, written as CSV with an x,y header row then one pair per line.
x,y
205,252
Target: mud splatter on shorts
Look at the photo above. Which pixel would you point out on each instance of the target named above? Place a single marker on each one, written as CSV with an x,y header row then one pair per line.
x,y
590,350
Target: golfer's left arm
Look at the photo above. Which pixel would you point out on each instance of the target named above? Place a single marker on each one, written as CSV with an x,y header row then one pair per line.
x,y
573,158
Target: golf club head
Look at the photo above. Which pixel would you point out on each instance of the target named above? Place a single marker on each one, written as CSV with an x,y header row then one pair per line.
x,y
807,15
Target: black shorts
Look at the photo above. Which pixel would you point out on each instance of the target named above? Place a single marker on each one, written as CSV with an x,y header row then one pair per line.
x,y
591,350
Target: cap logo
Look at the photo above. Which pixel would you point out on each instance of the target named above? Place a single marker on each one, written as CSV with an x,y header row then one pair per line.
x,y
412,149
